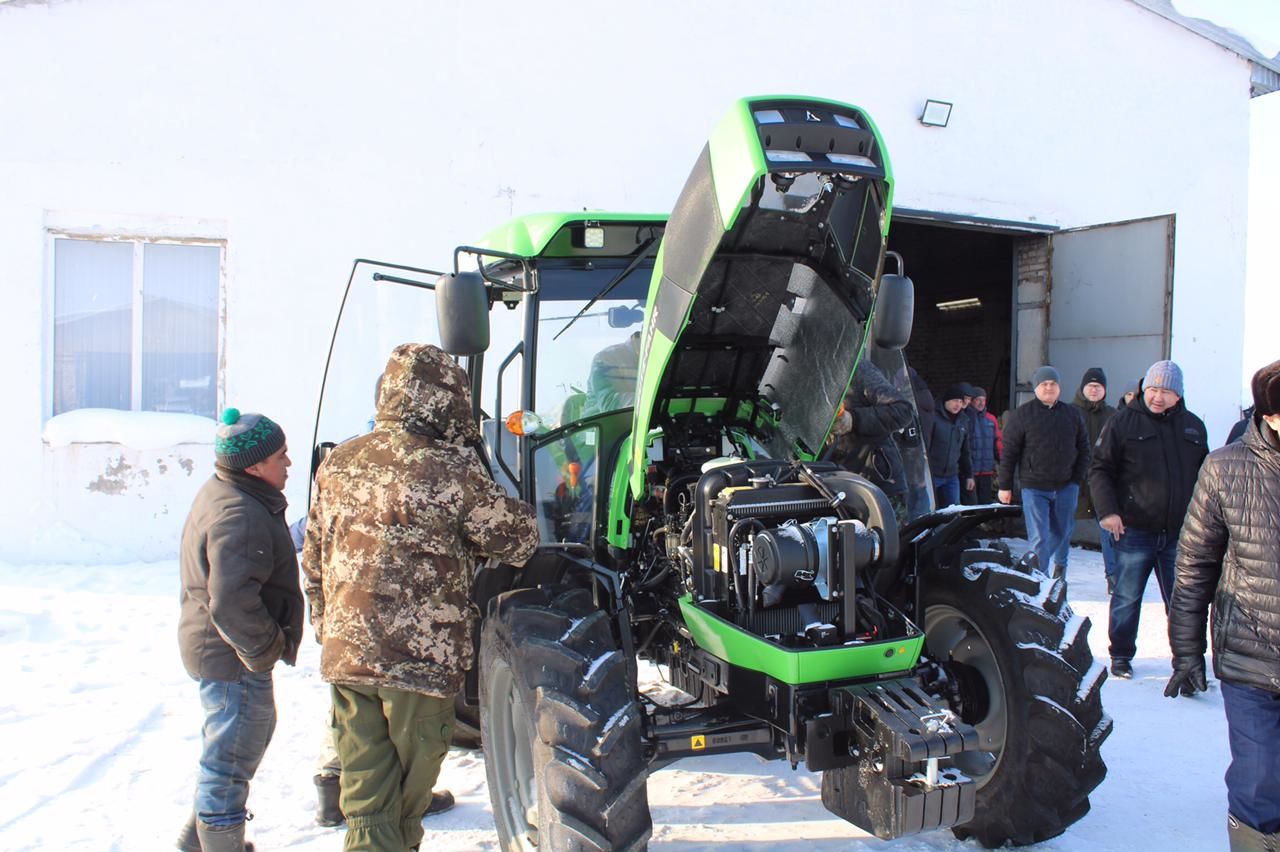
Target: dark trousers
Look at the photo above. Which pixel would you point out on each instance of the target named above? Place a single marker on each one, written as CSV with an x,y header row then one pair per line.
x,y
1253,778
391,744
239,719
1108,546
985,488
1137,554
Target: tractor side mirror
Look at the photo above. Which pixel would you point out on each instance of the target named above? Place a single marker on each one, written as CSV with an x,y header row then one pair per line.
x,y
319,453
894,312
462,305
621,316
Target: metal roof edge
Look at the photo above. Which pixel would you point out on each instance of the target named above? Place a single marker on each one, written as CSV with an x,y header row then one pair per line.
x,y
1266,72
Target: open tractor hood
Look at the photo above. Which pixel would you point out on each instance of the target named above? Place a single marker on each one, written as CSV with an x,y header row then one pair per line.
x,y
766,276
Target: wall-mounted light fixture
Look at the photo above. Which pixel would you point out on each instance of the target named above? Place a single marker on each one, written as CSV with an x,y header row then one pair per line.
x,y
935,114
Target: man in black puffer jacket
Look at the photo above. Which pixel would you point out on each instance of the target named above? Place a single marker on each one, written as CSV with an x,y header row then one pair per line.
x,y
1091,400
1229,553
1046,443
948,444
1144,469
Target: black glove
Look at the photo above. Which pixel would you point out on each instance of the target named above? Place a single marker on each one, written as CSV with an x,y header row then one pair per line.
x,y
1188,677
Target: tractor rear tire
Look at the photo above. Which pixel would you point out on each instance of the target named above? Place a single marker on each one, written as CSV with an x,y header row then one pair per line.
x,y
1029,684
561,726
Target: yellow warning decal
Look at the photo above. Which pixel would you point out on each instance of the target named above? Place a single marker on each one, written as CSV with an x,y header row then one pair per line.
x,y
698,742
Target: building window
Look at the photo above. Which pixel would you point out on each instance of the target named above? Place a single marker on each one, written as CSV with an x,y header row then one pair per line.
x,y
135,325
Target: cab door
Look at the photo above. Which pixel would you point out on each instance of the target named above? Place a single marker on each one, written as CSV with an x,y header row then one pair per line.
x,y
384,305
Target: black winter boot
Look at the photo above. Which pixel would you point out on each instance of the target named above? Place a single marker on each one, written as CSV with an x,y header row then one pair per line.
x,y
1244,838
1122,668
328,813
222,838
441,801
187,840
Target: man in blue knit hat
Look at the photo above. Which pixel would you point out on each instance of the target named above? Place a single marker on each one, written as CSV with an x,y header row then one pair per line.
x,y
1144,469
241,613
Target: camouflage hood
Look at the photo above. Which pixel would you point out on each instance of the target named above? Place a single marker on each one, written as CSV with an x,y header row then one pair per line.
x,y
426,392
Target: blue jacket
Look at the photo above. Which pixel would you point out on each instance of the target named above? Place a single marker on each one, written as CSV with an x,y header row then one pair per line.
x,y
984,442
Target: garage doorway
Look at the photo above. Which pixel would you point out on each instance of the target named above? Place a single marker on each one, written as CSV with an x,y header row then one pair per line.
x,y
965,293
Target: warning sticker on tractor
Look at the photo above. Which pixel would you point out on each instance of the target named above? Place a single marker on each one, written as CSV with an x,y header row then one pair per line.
x,y
698,742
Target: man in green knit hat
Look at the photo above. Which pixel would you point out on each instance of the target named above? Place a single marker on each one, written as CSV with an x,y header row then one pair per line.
x,y
242,612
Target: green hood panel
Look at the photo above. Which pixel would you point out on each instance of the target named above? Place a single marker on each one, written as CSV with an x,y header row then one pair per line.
x,y
738,163
729,642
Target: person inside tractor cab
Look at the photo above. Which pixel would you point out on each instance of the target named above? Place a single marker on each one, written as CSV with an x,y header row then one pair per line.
x,y
611,384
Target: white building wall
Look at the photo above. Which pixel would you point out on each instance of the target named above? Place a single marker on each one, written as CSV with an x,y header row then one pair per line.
x,y
1262,294
314,132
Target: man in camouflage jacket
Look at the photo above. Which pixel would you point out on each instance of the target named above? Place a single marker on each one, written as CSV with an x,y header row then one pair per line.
x,y
398,518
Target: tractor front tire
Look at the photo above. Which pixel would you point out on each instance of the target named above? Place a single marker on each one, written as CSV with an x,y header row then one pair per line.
x,y
1028,683
561,726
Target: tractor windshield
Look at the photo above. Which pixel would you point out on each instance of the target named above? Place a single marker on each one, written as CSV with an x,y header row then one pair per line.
x,y
587,361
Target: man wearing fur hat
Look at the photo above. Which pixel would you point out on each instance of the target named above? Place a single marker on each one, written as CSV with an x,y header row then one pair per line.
x,y
241,614
399,517
1229,555
1144,469
1047,445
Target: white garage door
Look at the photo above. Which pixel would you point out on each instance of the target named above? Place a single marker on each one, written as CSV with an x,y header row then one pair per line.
x,y
1110,300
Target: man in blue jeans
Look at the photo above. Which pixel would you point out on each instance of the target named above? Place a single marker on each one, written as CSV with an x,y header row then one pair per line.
x,y
241,613
1047,444
1143,472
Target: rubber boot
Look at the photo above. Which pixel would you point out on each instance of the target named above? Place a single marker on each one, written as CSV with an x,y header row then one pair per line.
x,y
222,838
1244,838
328,813
187,840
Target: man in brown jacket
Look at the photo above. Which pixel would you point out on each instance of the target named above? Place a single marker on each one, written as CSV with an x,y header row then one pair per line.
x,y
241,613
398,518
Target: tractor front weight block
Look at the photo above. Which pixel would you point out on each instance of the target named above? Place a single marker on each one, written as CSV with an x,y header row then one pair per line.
x,y
884,751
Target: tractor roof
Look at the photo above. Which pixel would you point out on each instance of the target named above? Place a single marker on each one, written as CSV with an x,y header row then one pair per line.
x,y
565,234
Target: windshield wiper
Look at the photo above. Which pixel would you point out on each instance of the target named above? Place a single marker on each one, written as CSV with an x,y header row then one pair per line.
x,y
614,282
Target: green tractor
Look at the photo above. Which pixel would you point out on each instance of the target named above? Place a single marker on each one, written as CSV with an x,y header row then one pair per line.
x,y
661,389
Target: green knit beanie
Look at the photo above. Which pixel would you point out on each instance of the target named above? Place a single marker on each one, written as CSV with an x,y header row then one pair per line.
x,y
243,440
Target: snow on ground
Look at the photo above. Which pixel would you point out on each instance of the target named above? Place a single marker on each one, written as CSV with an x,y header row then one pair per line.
x,y
99,728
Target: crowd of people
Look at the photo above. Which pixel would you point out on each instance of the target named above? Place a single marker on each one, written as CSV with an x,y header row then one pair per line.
x,y
1207,524
401,514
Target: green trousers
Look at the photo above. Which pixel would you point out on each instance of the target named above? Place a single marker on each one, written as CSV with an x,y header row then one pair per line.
x,y
391,743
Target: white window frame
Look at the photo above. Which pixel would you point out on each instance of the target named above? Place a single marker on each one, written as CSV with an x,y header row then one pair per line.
x,y
139,233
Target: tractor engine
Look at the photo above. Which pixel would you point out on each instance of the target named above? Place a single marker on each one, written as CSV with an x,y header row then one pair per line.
x,y
789,552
